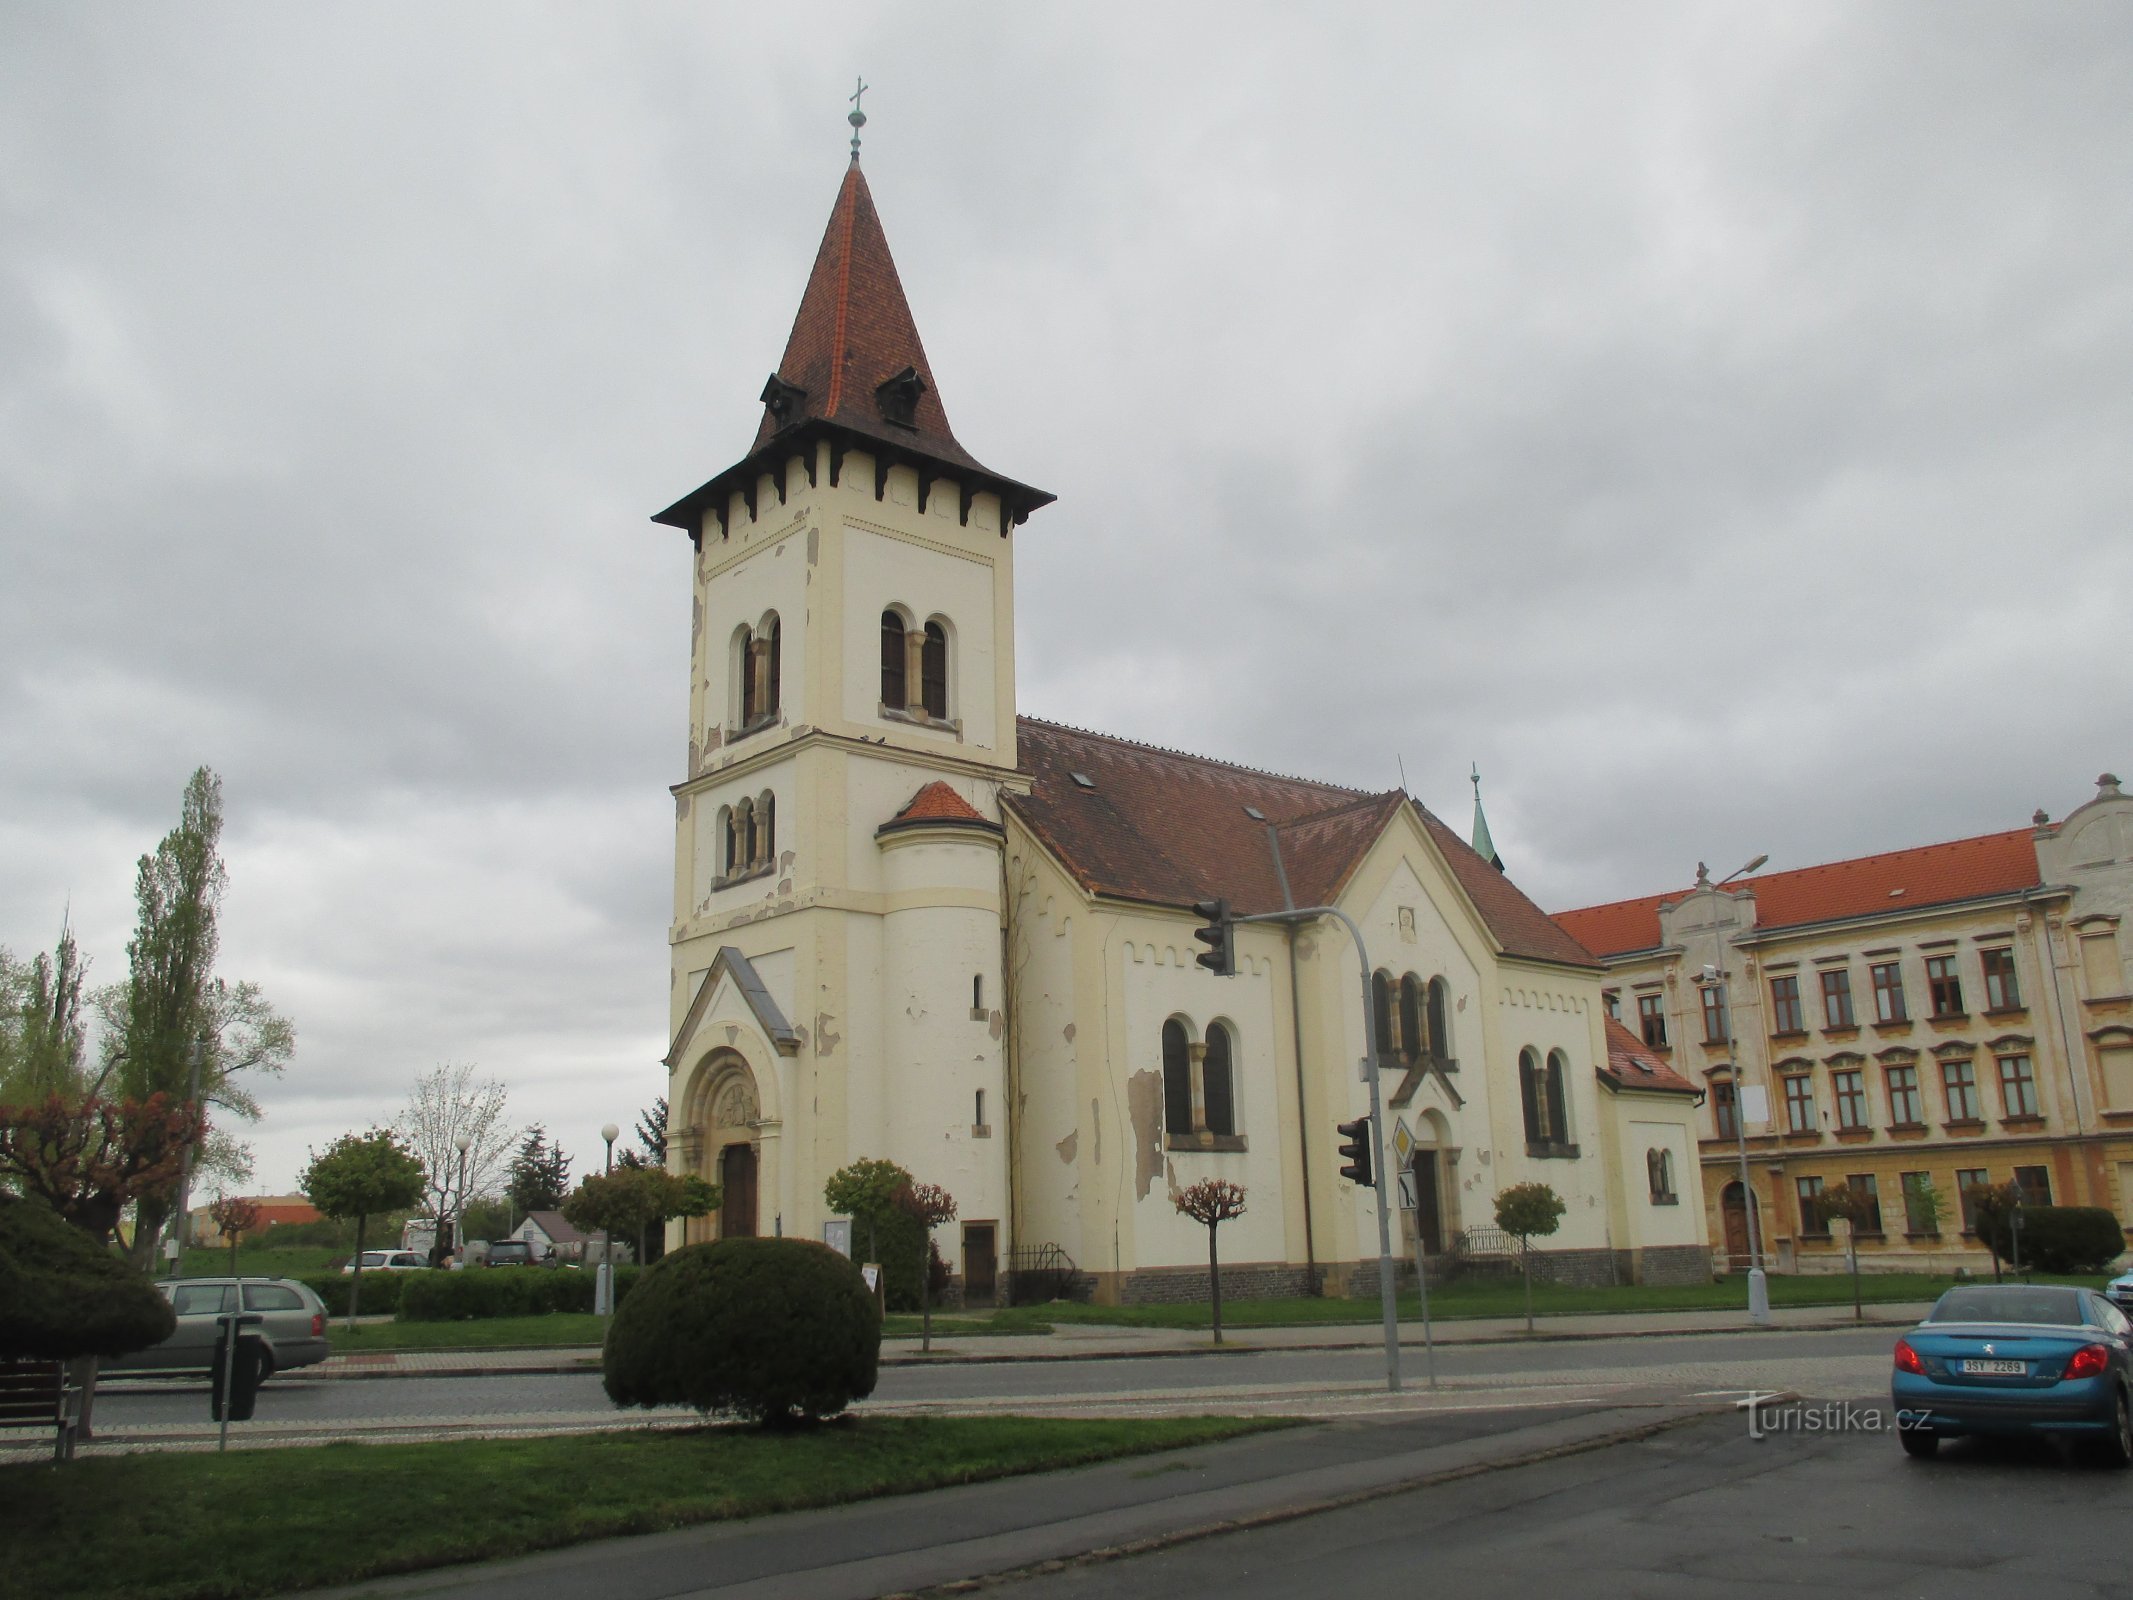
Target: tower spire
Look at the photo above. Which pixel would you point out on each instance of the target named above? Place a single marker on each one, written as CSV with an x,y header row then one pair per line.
x,y
858,117
1484,846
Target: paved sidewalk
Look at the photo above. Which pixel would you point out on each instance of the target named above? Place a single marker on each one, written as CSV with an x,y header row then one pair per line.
x,y
953,1536
1089,1342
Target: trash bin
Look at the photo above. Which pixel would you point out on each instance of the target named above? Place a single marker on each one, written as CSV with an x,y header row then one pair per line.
x,y
245,1374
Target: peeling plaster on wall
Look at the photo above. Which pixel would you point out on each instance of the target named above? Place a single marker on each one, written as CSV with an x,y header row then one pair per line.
x,y
830,1040
683,805
814,545
997,1026
1068,1034
1067,1146
1096,1125
785,887
800,1033
1144,1103
713,738
692,769
1170,1177
696,620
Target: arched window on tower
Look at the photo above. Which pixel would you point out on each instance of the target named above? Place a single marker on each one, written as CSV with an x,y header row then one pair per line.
x,y
740,838
766,830
1177,1079
772,664
1412,1038
894,680
1381,1012
1218,1089
933,672
728,844
756,664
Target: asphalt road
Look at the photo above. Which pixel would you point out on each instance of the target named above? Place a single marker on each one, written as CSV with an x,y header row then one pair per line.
x,y
1700,1512
1823,1363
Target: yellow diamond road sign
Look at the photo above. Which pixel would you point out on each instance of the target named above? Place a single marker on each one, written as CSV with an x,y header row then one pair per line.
x,y
1403,1142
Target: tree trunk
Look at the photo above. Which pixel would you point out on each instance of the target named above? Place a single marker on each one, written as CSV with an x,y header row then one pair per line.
x,y
355,1284
1525,1267
1851,1245
1214,1280
925,1297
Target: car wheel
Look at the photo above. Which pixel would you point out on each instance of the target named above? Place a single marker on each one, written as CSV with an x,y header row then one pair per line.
x,y
266,1365
2116,1450
1923,1443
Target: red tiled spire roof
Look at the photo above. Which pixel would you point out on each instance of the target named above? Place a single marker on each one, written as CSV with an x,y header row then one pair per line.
x,y
1168,828
936,802
1865,886
1632,1065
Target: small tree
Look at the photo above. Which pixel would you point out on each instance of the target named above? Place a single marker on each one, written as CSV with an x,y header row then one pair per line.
x,y
540,1174
88,1159
1992,1206
1528,1211
651,1138
234,1218
632,1201
1841,1202
866,1192
63,1295
930,1206
362,1175
1212,1202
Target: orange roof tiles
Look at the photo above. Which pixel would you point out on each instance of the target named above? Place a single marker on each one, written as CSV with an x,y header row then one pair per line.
x,y
936,802
1865,886
1633,1065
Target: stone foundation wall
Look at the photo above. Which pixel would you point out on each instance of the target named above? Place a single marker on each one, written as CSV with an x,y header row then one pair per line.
x,y
1667,1264
1251,1280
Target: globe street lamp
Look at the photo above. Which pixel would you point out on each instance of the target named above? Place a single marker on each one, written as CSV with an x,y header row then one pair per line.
x,y
604,1287
462,1143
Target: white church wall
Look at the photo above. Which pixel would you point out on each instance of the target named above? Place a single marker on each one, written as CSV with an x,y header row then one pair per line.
x,y
928,578
1652,1222
737,588
1549,1009
707,848
1058,1146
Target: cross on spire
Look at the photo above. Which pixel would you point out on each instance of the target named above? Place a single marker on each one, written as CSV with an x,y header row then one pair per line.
x,y
858,116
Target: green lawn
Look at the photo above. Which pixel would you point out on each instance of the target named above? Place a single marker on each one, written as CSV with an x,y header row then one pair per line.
x,y
292,1262
257,1522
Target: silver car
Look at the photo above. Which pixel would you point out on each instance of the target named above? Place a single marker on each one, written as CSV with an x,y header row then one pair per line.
x,y
294,1325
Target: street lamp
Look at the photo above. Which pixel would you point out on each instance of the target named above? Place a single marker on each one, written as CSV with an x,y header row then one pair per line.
x,y
604,1287
462,1143
1758,1281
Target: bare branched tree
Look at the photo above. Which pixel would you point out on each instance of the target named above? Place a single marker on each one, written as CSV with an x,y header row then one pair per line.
x,y
446,1103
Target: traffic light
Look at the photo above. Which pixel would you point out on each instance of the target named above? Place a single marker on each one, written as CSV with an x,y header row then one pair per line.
x,y
1220,937
1355,1145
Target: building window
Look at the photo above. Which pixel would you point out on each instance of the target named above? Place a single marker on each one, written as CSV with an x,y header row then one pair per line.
x,y
1722,1110
1177,1078
1659,1174
2035,1184
1785,1005
757,662
977,991
2018,1086
1944,987
1958,1081
2002,992
1968,1181
933,673
1837,998
1440,1022
1612,999
1651,1019
1217,1091
1809,1192
1850,1091
2100,970
1918,1206
1904,1107
1381,1012
1863,1185
1888,992
1542,1096
1411,1009
977,1117
1800,1104
1715,1030
895,679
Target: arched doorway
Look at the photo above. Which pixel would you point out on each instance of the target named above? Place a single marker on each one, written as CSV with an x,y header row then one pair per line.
x,y
736,1176
1736,1222
1429,1205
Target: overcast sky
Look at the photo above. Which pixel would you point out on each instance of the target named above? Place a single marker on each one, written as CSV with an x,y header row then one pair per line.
x,y
1712,420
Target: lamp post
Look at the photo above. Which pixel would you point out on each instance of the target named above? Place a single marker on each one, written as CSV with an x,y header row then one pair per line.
x,y
462,1143
604,1288
1758,1281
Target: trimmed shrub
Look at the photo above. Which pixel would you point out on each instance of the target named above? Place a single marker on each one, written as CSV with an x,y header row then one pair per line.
x,y
768,1329
477,1292
64,1295
2071,1239
381,1291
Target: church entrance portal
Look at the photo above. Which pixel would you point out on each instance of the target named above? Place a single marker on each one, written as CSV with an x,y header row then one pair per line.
x,y
1429,1208
736,1175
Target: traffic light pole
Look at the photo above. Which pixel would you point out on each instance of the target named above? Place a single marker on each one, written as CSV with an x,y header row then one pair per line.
x,y
1387,1304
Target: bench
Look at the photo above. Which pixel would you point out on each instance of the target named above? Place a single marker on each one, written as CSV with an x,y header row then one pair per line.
x,y
39,1394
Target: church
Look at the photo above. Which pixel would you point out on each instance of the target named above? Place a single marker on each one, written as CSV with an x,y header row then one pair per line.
x,y
912,923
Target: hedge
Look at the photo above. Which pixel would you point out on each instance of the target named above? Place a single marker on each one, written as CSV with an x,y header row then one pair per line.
x,y
477,1292
381,1291
2071,1239
62,1294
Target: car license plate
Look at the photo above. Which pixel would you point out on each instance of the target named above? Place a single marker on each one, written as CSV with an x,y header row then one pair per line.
x,y
2003,1369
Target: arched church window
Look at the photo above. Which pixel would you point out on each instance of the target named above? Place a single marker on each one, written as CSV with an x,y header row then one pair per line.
x,y
933,672
1440,1031
1659,1172
766,830
1557,1097
893,678
728,843
1218,1091
1381,1011
740,838
756,664
1177,1078
1532,1096
1412,1039
771,668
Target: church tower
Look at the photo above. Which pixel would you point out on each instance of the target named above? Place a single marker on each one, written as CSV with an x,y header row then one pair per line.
x,y
836,942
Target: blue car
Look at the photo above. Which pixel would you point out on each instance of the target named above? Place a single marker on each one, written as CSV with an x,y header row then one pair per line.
x,y
2017,1359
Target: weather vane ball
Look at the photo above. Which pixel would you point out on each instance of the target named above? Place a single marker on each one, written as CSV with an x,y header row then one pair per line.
x,y
857,118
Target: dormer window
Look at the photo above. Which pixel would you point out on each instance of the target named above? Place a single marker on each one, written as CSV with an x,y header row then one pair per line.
x,y
899,398
783,401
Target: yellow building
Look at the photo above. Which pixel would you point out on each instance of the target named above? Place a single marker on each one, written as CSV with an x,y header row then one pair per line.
x,y
910,923
1914,1023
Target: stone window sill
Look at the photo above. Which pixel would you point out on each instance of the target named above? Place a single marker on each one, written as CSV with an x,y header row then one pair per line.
x,y
1895,1025
1963,1125
1950,1018
1552,1152
1666,1199
1907,1130
1997,1012
1917,1237
748,730
1787,1035
1219,1143
2026,1121
732,878
920,719
1854,1135
979,1130
1841,1030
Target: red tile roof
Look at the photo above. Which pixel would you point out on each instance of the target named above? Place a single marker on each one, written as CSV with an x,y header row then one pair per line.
x,y
936,802
1169,828
1632,1065
1897,880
